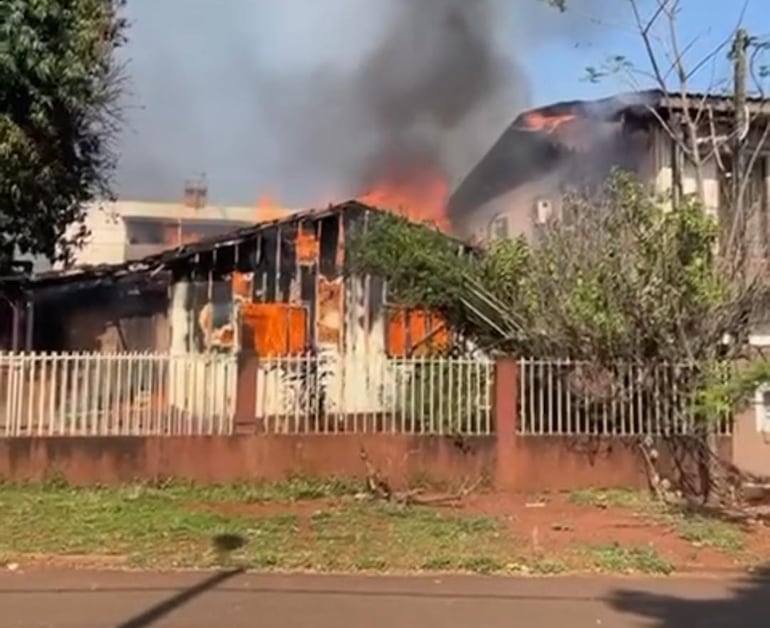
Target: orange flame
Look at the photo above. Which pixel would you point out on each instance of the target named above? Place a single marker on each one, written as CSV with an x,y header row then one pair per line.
x,y
421,197
269,209
539,121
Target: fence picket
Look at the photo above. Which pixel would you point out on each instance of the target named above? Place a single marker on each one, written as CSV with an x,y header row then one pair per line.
x,y
564,398
67,394
421,395
72,394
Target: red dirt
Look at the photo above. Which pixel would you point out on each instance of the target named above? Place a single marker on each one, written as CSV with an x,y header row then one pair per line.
x,y
69,561
553,526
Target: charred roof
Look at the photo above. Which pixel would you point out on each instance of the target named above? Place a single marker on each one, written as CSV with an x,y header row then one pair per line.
x,y
165,260
152,266
539,140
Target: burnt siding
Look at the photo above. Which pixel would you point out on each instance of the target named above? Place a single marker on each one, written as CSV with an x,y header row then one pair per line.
x,y
133,314
81,319
287,262
329,236
279,277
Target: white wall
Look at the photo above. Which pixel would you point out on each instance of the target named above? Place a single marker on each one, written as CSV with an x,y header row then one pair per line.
x,y
517,206
663,172
108,239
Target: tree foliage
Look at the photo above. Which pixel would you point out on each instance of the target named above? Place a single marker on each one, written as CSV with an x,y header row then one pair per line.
x,y
59,84
619,277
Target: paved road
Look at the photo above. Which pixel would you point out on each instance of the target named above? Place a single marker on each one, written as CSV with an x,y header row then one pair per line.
x,y
39,599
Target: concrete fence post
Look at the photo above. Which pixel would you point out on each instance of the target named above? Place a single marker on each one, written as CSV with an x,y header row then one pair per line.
x,y
506,413
246,393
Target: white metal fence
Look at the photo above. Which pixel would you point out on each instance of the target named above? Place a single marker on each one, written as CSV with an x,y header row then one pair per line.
x,y
79,394
564,397
334,393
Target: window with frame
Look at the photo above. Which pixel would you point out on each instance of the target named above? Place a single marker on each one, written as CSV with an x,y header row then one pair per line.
x,y
140,231
762,408
499,228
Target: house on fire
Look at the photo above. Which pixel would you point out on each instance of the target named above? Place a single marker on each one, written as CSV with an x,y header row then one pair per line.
x,y
280,289
518,184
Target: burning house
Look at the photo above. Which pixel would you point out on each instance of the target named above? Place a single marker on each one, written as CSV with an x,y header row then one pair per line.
x,y
279,289
517,186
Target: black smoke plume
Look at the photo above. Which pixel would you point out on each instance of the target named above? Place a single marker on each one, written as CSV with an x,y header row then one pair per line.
x,y
316,100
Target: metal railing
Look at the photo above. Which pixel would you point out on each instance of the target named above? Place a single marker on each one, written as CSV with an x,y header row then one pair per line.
x,y
328,394
90,394
564,397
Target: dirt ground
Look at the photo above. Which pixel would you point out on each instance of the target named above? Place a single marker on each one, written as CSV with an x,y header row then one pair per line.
x,y
304,527
555,523
552,526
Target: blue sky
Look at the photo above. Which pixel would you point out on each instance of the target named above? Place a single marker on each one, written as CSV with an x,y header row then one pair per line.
x,y
558,67
238,89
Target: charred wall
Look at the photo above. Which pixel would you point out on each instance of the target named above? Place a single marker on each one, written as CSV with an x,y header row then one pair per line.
x,y
128,316
287,279
294,294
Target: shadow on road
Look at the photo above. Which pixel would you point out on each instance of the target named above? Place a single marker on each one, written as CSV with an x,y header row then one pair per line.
x,y
159,611
747,607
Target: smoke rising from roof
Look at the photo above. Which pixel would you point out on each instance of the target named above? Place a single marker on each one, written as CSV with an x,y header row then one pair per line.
x,y
311,101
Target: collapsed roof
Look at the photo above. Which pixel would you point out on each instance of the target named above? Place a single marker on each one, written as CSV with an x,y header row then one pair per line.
x,y
154,265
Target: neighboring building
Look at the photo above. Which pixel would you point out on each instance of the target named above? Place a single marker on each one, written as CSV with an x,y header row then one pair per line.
x,y
129,230
519,184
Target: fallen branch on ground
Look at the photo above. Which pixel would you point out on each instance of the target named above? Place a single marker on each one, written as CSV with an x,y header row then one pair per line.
x,y
379,488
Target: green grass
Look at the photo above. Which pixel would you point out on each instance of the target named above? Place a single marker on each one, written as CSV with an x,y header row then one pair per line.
x,y
700,531
705,532
439,563
184,526
482,565
611,498
615,558
266,526
548,567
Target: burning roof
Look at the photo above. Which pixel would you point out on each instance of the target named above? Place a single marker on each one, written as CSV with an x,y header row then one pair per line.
x,y
155,265
541,140
537,142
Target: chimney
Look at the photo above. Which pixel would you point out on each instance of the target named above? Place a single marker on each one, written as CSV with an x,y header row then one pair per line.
x,y
196,193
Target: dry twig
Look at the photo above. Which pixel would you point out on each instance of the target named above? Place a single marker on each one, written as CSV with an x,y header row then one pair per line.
x,y
379,488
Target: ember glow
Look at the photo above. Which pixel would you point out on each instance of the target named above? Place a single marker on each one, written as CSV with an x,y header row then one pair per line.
x,y
420,196
270,209
539,121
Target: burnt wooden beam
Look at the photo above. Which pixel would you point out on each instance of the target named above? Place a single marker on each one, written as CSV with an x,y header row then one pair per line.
x,y
287,262
329,242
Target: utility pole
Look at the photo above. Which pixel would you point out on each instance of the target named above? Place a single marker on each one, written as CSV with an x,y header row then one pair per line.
x,y
739,173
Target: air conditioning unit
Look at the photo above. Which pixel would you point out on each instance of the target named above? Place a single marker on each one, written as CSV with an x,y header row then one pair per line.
x,y
543,211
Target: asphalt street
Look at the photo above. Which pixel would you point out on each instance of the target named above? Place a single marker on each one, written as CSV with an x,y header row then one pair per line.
x,y
78,599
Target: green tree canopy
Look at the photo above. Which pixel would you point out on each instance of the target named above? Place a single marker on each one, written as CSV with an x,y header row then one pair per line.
x,y
59,85
619,277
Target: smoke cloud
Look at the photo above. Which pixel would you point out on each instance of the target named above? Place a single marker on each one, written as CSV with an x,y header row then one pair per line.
x,y
312,101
